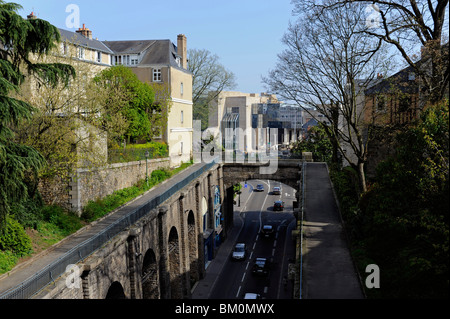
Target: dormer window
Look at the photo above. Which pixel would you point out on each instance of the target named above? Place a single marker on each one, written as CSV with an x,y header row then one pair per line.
x,y
156,75
178,60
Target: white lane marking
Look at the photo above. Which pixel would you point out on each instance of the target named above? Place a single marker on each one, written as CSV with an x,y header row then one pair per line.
x,y
243,277
238,291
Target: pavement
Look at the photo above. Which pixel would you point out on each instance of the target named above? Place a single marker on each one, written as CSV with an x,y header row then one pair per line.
x,y
22,272
328,269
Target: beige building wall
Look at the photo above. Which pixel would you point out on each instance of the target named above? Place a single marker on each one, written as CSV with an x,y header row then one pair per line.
x,y
179,131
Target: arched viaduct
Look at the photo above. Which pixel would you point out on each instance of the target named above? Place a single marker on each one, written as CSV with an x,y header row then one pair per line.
x,y
165,252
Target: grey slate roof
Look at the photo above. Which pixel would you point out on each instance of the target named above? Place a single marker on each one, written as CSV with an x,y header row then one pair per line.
x,y
78,39
154,52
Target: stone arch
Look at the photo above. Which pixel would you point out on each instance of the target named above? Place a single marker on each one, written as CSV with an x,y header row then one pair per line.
x,y
204,211
150,286
193,249
174,264
115,291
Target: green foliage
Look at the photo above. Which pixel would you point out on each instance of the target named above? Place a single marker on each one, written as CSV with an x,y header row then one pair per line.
x,y
66,222
135,98
7,261
136,152
25,39
406,211
14,238
318,143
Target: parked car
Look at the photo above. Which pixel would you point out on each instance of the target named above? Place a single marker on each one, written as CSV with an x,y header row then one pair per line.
x,y
267,230
276,190
239,251
259,188
261,267
278,205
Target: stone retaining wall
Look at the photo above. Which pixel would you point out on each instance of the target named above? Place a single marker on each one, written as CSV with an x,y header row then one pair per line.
x,y
98,183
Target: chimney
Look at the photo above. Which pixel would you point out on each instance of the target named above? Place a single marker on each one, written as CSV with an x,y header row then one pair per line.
x,y
182,50
85,32
31,16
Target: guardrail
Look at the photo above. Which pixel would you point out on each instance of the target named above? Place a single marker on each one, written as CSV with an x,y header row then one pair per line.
x,y
48,275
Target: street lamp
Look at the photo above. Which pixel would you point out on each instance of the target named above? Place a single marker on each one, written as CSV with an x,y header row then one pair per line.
x,y
146,166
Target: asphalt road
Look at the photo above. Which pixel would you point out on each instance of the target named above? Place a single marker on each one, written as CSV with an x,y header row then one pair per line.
x,y
256,208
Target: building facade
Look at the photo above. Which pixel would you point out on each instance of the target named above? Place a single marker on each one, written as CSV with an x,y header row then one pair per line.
x,y
162,62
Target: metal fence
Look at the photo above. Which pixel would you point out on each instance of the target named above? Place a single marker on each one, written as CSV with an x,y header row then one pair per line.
x,y
48,275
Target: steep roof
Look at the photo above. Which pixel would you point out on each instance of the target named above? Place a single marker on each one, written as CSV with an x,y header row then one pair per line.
x,y
76,38
153,52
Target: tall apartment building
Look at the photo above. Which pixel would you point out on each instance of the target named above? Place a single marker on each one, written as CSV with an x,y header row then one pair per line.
x,y
161,61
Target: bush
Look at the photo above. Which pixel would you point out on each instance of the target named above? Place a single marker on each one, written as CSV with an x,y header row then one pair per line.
x,y
68,223
14,238
7,261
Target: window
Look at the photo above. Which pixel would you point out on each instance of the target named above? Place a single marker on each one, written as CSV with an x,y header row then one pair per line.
x,y
156,75
181,148
381,103
81,53
182,117
99,57
64,48
181,88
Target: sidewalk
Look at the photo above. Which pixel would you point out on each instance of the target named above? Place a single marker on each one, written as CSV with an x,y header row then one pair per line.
x,y
204,287
22,272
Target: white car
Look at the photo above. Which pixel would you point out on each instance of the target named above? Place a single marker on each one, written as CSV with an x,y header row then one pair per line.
x,y
239,251
250,295
276,190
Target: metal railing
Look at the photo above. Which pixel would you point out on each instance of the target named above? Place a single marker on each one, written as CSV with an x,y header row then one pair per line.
x,y
48,275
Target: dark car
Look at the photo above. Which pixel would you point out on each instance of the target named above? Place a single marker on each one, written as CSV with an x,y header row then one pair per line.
x,y
261,267
259,188
278,205
267,231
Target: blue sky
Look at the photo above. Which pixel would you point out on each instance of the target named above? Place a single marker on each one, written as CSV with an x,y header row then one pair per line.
x,y
245,34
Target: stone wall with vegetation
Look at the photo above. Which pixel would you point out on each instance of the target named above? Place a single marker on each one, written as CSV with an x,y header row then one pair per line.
x,y
90,185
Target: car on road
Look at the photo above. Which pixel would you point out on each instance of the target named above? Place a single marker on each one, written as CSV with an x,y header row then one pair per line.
x,y
267,230
259,188
260,267
278,205
276,190
239,252
251,295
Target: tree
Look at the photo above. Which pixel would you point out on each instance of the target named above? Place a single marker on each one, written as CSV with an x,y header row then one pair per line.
x,y
409,26
327,64
20,40
209,79
130,99
66,124
408,206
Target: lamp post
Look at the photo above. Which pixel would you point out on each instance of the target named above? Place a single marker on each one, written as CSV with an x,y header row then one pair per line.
x,y
146,167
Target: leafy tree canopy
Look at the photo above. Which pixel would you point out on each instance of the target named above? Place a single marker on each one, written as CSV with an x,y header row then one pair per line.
x,y
20,41
133,98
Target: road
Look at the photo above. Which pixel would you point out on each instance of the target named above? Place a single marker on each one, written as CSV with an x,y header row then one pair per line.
x,y
256,208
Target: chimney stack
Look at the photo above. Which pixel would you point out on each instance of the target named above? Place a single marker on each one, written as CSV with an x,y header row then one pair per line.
x,y
85,32
182,50
31,16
